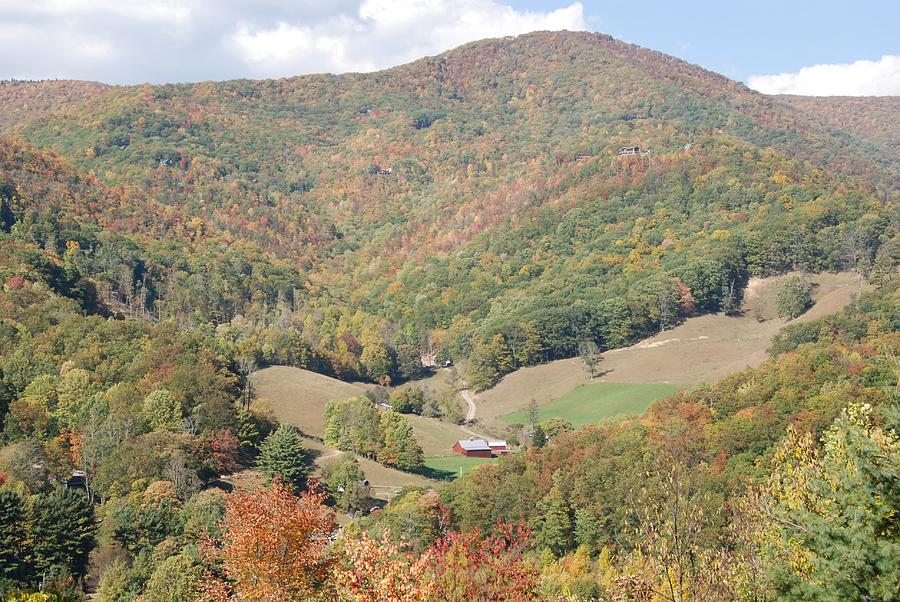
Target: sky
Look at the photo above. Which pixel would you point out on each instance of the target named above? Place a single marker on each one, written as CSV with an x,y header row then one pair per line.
x,y
824,47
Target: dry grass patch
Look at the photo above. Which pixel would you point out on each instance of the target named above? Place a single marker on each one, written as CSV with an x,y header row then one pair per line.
x,y
299,396
703,349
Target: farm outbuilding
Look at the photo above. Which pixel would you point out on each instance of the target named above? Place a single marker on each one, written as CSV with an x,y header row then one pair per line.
x,y
499,446
473,448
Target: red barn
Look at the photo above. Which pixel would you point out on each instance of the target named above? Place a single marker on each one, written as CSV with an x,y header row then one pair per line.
x,y
499,446
473,448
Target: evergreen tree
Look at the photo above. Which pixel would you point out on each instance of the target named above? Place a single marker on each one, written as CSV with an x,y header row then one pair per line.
x,y
12,537
61,527
282,455
555,532
835,508
539,437
399,447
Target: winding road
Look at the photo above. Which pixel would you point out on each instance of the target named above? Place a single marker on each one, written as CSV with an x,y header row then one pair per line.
x,y
470,401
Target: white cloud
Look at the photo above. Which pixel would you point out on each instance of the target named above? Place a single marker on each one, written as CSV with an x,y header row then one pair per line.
x,y
133,41
383,33
861,78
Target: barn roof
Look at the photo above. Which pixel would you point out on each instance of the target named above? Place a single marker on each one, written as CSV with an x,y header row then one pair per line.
x,y
474,445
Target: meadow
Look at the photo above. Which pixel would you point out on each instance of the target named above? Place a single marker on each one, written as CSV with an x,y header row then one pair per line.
x,y
449,467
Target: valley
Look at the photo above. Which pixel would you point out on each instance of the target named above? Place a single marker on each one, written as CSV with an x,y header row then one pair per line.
x,y
541,317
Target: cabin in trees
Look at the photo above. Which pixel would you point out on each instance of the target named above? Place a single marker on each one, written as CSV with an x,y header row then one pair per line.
x,y
384,171
473,448
629,150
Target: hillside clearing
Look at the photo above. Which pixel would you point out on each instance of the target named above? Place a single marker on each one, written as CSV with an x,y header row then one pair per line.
x,y
299,396
702,349
450,467
598,401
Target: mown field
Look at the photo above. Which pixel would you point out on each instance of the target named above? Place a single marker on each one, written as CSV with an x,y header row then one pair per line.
x,y
596,402
449,467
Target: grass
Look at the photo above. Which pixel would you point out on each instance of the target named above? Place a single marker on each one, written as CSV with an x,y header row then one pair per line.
x,y
598,401
299,396
449,467
703,349
436,437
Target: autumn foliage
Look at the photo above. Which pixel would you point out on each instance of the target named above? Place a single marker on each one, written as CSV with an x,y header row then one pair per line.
x,y
274,545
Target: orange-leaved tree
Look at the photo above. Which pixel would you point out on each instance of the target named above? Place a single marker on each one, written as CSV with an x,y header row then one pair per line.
x,y
275,545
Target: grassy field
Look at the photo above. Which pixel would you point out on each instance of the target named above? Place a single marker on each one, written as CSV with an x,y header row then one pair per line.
x,y
436,437
299,396
449,467
702,349
598,401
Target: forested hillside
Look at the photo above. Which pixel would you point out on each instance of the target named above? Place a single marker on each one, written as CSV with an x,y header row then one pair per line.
x,y
876,119
442,203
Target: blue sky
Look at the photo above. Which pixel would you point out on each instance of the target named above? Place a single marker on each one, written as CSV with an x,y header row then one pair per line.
x,y
825,47
739,38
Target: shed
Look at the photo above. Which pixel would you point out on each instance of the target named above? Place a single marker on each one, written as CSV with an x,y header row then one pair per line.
x,y
499,446
473,448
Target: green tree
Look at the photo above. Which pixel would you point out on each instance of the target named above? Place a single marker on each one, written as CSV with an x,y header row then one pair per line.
x,y
490,362
74,389
177,578
13,551
61,527
409,400
555,531
346,482
534,413
282,455
353,425
399,447
794,297
162,411
832,512
538,437
409,362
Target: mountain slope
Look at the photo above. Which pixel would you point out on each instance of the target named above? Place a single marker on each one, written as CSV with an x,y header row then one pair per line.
x,y
469,194
872,118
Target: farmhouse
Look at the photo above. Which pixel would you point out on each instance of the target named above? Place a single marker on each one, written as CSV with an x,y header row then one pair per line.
x,y
499,446
473,448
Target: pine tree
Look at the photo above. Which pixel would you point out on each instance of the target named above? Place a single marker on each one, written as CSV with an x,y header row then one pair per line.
x,y
12,537
282,455
837,506
539,438
61,527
